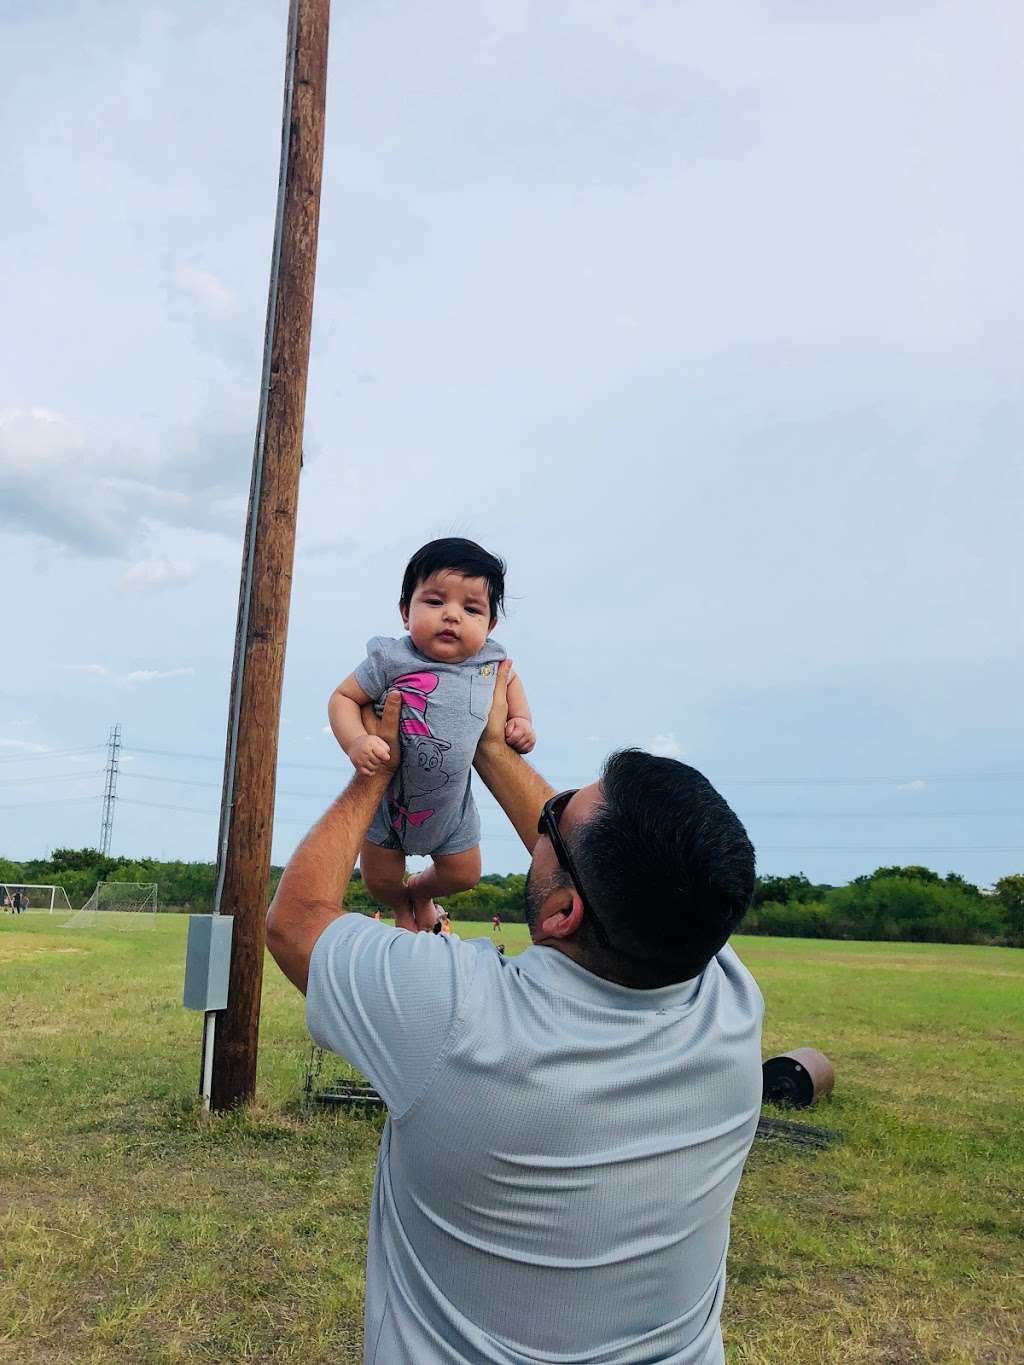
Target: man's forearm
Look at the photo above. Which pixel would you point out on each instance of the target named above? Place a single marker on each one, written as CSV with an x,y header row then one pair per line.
x,y
321,867
312,886
518,789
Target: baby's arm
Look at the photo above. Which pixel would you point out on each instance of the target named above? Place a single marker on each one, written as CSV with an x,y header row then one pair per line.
x,y
366,751
519,732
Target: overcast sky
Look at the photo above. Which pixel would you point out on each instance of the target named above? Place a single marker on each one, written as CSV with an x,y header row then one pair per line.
x,y
706,316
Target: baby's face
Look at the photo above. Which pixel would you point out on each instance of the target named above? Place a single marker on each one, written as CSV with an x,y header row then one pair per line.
x,y
449,617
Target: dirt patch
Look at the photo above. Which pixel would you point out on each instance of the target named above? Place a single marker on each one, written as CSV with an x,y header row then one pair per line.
x,y
15,952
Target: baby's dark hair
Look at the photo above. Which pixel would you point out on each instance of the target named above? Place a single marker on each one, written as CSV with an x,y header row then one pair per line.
x,y
460,556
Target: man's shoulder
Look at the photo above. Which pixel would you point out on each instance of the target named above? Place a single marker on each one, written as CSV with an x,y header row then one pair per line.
x,y
738,979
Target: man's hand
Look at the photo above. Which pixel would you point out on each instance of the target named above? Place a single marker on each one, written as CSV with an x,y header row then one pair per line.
x,y
494,731
381,737
517,788
520,735
369,754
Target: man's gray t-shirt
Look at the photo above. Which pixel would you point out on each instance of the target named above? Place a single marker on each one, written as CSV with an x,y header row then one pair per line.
x,y
429,807
556,1176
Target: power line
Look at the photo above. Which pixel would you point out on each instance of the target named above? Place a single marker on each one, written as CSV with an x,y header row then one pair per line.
x,y
747,814
901,779
876,815
50,753
52,777
866,781
892,848
219,758
207,814
57,801
197,782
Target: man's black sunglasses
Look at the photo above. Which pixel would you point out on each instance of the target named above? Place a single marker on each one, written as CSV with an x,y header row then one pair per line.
x,y
550,815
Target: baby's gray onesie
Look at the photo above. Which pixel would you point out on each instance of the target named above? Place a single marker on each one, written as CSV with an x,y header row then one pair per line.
x,y
429,808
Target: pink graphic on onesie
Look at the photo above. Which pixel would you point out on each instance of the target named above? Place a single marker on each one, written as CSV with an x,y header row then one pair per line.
x,y
411,784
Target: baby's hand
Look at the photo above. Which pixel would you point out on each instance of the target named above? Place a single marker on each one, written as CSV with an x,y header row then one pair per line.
x,y
520,735
368,754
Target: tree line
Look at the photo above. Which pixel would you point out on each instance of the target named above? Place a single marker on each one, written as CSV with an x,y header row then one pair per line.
x,y
908,904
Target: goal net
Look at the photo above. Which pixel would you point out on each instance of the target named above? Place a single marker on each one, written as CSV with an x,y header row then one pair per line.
x,y
18,897
118,905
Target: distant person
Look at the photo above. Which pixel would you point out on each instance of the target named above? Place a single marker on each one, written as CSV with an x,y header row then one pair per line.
x,y
17,902
566,1133
444,667
496,924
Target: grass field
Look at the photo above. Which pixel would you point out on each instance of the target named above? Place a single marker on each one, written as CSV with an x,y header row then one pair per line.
x,y
134,1229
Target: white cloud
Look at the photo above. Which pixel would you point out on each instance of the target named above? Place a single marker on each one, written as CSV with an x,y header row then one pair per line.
x,y
102,497
151,574
24,746
133,679
148,675
665,746
206,291
917,784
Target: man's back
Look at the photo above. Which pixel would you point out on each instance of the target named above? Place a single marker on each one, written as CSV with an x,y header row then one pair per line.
x,y
557,1178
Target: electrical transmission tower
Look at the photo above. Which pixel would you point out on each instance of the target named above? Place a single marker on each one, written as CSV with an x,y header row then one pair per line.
x,y
110,788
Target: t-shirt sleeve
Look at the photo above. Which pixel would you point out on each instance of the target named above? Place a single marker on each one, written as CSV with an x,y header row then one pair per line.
x,y
372,673
386,1000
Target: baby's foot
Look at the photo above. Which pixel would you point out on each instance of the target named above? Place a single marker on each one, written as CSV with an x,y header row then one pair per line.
x,y
423,907
405,915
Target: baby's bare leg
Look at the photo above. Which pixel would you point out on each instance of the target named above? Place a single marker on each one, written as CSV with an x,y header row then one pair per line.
x,y
383,872
447,874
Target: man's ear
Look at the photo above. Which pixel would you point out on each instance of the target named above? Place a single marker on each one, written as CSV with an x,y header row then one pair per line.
x,y
563,921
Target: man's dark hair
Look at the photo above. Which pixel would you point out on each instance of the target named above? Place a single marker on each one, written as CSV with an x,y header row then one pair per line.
x,y
460,556
667,866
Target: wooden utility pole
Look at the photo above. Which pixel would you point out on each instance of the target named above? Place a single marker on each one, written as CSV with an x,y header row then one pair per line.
x,y
247,803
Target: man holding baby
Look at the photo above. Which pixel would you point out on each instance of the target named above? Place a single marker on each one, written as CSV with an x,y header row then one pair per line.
x,y
567,1128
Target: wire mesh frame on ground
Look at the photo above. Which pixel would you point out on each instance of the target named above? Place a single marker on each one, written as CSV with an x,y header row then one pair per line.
x,y
123,905
33,896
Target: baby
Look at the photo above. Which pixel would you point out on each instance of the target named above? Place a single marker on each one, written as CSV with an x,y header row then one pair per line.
x,y
445,668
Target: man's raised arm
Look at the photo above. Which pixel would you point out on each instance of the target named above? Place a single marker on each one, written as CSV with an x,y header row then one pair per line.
x,y
518,789
309,894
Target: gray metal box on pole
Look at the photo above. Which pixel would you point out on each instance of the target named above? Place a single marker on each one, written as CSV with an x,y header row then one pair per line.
x,y
208,962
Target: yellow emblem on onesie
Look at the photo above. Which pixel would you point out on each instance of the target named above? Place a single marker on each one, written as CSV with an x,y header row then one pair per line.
x,y
487,670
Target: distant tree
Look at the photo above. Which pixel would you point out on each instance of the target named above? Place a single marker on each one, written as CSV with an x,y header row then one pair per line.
x,y
11,872
912,908
83,860
912,873
781,890
1009,892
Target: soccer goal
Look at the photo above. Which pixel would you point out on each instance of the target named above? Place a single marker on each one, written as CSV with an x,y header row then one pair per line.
x,y
118,905
21,896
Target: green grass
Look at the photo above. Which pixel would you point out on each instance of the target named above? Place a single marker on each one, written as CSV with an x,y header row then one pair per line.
x,y
134,1229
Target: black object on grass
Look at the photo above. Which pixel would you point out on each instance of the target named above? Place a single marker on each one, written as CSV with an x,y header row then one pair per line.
x,y
797,1079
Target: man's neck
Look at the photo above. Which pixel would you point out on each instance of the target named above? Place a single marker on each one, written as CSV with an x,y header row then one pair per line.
x,y
605,968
